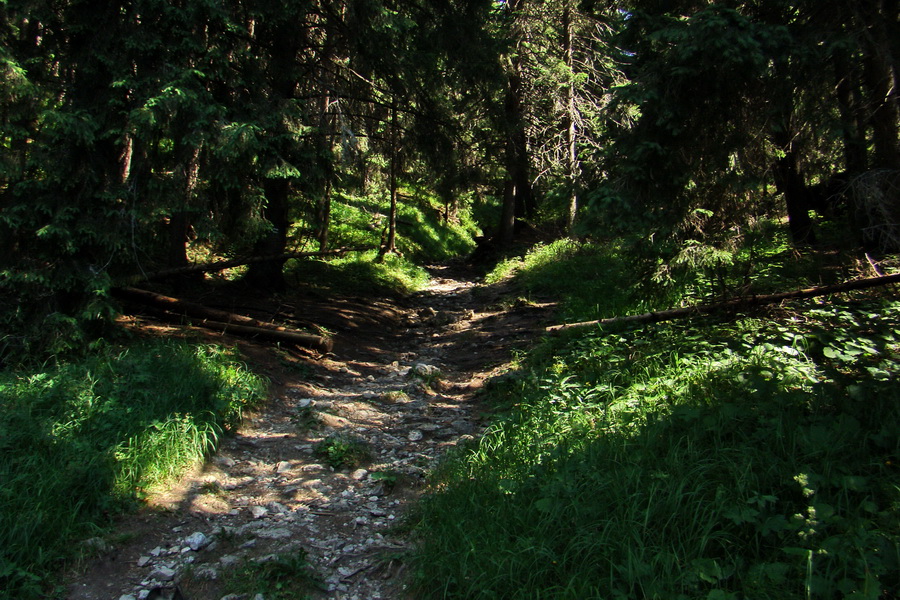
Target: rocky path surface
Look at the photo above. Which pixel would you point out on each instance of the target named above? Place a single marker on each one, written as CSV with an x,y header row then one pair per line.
x,y
328,469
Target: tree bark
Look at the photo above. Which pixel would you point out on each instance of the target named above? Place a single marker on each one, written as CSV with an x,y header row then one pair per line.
x,y
571,150
269,275
739,303
849,105
881,80
390,244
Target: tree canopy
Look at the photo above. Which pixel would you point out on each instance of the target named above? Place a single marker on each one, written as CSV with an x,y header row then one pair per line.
x,y
135,132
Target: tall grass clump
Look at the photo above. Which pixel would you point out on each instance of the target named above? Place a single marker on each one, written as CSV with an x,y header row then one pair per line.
x,y
754,459
81,441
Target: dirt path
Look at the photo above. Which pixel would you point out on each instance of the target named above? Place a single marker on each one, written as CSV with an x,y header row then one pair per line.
x,y
398,388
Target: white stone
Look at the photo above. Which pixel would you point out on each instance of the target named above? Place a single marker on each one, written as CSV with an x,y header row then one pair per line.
x,y
283,467
229,560
276,533
143,561
197,541
163,573
359,474
415,435
258,512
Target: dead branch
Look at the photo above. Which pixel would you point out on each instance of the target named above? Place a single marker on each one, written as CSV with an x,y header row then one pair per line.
x,y
220,320
742,302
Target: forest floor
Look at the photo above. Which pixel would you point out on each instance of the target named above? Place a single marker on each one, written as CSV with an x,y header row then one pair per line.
x,y
398,391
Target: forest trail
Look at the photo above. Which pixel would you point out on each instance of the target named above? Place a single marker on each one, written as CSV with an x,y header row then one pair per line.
x,y
400,384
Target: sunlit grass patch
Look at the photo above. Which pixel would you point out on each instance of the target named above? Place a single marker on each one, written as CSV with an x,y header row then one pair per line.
x,y
594,281
361,274
80,441
751,459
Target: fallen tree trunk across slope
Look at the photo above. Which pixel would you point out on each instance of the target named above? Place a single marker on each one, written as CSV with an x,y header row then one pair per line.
x,y
734,303
220,320
221,265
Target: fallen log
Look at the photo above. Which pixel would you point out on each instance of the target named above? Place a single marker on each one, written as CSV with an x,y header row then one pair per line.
x,y
306,340
733,304
221,265
224,321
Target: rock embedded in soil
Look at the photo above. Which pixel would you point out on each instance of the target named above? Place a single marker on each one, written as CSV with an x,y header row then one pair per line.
x,y
197,541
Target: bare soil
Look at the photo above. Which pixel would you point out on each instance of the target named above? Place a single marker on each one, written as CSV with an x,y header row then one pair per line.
x,y
401,383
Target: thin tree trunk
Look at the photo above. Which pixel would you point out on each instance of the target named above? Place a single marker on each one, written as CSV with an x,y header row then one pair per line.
x,y
221,265
571,151
881,80
390,244
324,218
848,96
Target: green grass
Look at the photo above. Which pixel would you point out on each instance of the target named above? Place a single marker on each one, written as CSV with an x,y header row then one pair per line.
x,y
423,237
754,459
422,233
593,281
284,576
82,441
360,274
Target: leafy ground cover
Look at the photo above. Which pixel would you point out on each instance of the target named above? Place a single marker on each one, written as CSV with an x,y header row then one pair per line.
x,y
81,441
752,457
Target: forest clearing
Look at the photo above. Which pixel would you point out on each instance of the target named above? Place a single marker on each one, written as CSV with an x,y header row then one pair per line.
x,y
468,299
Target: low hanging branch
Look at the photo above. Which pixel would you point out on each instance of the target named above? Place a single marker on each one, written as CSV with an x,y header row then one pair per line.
x,y
734,303
220,320
221,265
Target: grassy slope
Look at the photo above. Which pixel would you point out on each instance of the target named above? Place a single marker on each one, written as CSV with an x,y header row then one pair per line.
x,y
358,222
82,440
745,458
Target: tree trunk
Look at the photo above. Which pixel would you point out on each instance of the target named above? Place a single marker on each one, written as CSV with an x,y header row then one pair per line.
x,y
270,275
508,213
790,183
788,177
849,104
323,216
390,244
881,80
571,150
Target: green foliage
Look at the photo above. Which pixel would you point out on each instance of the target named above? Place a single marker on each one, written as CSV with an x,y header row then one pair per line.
x,y
85,439
592,280
284,576
343,450
754,459
361,274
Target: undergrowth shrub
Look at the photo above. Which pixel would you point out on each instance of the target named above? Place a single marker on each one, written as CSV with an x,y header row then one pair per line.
x,y
81,441
755,459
